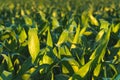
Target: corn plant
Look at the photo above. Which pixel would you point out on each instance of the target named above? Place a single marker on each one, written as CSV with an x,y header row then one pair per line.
x,y
59,40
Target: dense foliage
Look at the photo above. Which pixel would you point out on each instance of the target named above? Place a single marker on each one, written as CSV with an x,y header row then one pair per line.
x,y
59,40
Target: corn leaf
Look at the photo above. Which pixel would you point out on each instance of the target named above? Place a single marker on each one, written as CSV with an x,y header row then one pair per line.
x,y
22,36
82,72
97,70
49,39
33,43
63,37
28,20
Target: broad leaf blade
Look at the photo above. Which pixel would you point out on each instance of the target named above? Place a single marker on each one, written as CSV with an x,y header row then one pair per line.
x,y
33,43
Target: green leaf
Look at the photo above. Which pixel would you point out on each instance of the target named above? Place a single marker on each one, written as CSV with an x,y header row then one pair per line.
x,y
25,67
33,43
1,49
61,77
99,52
2,27
84,18
6,75
104,44
117,77
114,69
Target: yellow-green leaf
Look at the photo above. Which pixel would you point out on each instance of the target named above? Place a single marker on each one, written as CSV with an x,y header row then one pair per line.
x,y
104,24
82,71
99,35
97,70
87,33
22,12
33,43
93,20
27,75
42,14
55,23
22,36
75,40
9,62
116,28
49,39
28,20
63,37
47,59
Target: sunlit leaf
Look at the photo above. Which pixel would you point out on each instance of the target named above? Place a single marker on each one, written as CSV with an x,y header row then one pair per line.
x,y
49,39
100,35
69,65
117,44
22,36
28,21
43,16
82,71
9,62
104,24
93,20
87,33
76,37
63,37
22,12
116,28
99,52
72,26
33,43
55,23
97,70
47,59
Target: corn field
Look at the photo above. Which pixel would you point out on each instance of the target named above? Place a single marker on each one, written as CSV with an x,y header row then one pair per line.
x,y
59,40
